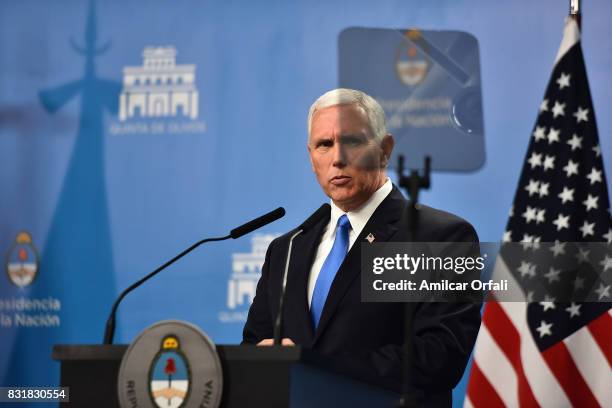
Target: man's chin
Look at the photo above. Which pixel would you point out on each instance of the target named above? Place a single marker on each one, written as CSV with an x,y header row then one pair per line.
x,y
340,195
344,202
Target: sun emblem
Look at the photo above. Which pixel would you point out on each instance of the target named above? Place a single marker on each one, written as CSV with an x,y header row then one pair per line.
x,y
169,375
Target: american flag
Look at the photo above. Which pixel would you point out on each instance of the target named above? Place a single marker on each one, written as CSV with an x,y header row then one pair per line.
x,y
550,353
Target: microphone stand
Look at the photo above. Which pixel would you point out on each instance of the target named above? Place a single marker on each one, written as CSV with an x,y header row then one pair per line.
x,y
412,183
306,225
244,229
278,323
109,332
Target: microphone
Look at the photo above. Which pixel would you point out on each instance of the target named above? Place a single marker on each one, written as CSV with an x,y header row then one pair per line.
x,y
310,222
257,223
244,229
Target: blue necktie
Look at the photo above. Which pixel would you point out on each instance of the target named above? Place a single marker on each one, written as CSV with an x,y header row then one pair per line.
x,y
330,268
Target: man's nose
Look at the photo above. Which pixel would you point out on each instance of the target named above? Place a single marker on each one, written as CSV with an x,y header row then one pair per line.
x,y
339,156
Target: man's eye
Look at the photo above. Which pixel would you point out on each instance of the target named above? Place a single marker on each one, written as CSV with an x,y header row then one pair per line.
x,y
325,143
352,141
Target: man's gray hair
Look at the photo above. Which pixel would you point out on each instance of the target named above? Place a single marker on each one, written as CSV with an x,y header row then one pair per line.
x,y
343,96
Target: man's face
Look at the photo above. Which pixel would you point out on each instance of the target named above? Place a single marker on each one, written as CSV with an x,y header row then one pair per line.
x,y
347,160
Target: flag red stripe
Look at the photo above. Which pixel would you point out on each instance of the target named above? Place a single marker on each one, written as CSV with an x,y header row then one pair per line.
x,y
601,330
480,390
509,341
564,369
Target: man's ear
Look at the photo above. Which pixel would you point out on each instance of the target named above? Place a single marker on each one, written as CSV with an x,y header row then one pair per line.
x,y
386,145
310,156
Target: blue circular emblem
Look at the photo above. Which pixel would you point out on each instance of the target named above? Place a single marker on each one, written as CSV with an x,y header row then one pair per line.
x,y
171,364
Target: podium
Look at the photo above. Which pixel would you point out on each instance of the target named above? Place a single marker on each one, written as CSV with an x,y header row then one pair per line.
x,y
271,377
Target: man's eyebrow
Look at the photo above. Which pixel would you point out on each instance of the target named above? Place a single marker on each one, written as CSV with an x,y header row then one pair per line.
x,y
317,139
353,136
320,140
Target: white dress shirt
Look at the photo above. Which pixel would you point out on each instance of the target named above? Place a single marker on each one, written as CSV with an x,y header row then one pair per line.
x,y
358,220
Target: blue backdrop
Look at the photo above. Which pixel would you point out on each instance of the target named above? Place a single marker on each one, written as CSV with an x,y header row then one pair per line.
x,y
130,132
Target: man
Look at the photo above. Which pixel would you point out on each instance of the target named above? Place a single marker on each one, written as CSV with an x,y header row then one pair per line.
x,y
349,150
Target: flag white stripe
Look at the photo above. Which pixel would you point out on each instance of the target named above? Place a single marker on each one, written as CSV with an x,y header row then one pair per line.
x,y
571,35
546,390
593,365
496,367
503,272
467,403
515,291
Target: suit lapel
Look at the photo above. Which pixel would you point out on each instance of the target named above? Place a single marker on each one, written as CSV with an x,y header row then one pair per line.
x,y
382,225
304,249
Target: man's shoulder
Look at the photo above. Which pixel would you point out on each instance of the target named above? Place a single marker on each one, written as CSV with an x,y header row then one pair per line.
x,y
438,225
283,239
311,227
437,216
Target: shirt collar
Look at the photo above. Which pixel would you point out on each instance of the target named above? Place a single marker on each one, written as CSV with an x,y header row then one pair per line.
x,y
359,217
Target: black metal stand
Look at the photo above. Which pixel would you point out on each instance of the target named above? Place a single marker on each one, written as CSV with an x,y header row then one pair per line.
x,y
413,184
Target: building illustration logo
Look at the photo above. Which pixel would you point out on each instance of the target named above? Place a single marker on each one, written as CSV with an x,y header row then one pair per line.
x,y
246,270
22,260
159,88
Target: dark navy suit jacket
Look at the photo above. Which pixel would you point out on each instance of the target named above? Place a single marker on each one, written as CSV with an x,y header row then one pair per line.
x,y
368,337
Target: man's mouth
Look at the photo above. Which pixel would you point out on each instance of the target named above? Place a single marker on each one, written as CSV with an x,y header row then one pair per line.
x,y
340,180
